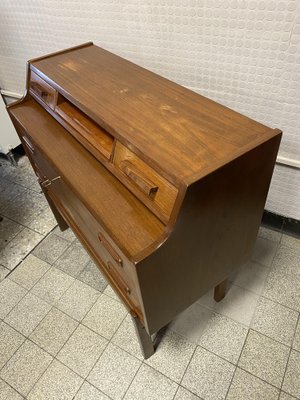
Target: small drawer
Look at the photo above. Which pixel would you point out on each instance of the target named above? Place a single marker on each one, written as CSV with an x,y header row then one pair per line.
x,y
154,190
42,90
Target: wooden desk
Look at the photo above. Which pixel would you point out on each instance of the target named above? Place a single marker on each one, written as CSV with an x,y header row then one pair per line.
x,y
164,188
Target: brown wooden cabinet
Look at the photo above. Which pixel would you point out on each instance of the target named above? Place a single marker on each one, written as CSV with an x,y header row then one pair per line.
x,y
164,187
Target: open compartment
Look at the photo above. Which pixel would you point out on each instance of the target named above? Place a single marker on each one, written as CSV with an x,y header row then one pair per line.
x,y
97,137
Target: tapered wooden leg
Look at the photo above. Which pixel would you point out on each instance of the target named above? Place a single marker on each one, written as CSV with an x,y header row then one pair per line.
x,y
144,338
59,219
220,291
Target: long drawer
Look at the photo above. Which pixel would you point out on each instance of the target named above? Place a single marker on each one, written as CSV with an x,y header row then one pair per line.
x,y
115,266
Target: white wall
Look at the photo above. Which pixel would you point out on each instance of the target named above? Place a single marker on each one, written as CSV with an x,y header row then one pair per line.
x,y
243,53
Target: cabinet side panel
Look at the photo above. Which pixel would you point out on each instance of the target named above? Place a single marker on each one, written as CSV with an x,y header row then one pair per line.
x,y
214,235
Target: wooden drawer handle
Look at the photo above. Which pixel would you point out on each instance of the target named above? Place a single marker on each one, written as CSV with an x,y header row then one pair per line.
x,y
29,145
148,187
110,249
39,89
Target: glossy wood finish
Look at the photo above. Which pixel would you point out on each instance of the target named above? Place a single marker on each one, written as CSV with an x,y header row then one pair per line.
x,y
164,188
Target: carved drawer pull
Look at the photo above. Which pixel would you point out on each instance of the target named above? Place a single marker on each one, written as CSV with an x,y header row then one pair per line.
x,y
147,186
110,249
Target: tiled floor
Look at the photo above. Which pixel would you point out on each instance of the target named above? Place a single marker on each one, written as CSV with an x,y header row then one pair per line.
x,y
65,335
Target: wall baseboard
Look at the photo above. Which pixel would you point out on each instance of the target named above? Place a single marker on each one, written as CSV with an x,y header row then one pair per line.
x,y
282,224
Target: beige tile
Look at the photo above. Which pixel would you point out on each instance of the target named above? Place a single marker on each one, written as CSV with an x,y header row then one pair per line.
x,y
276,321
245,386
114,372
252,276
239,304
57,383
10,341
291,383
264,358
192,322
27,314
67,234
149,384
82,350
8,230
73,260
8,393
296,342
44,222
51,248
172,356
92,276
290,241
269,234
126,338
264,251
89,392
10,294
285,396
29,271
287,261
3,272
207,300
53,331
208,376
52,285
105,316
111,293
9,191
78,300
284,289
184,394
25,367
224,337
17,249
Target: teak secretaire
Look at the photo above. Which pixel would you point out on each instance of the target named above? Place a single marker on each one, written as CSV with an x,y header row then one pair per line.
x,y
164,188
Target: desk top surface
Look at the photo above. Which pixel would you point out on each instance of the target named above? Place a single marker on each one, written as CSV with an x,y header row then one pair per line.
x,y
178,131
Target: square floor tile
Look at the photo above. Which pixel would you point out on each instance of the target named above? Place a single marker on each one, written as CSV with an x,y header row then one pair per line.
x,y
53,331
291,383
77,300
287,261
264,251
89,392
207,300
276,321
51,248
208,376
264,358
290,241
29,271
285,396
10,341
284,289
57,383
108,291
296,342
3,272
184,394
252,276
73,260
82,350
172,356
126,338
239,304
25,367
68,234
10,294
8,393
224,337
44,222
245,386
92,276
149,384
114,372
105,316
17,249
269,234
192,322
52,285
9,191
27,314
8,230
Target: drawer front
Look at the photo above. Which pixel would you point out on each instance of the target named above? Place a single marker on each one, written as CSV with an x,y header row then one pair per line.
x,y
146,183
42,90
118,269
